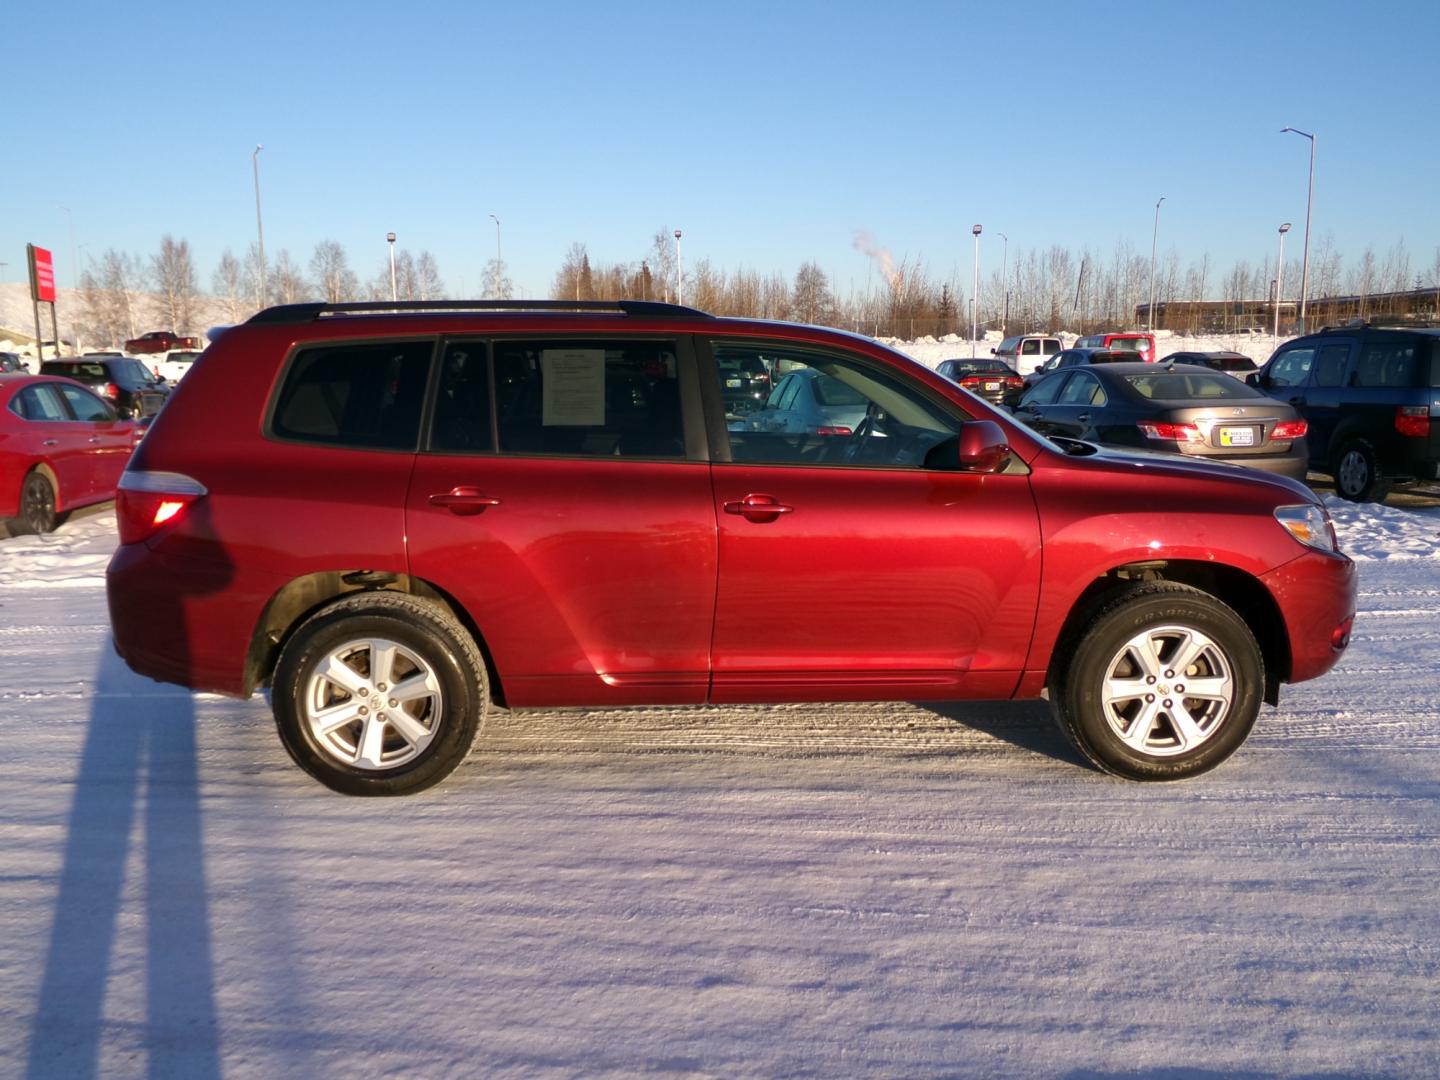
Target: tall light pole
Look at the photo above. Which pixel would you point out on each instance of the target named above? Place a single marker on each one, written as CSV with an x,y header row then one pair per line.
x,y
1309,201
1280,280
975,294
259,228
1154,232
390,239
499,259
1004,290
679,272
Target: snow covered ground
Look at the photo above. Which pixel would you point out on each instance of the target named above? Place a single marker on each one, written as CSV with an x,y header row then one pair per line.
x,y
867,890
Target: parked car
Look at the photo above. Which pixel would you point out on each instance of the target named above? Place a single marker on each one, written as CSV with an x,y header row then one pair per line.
x,y
1076,358
1128,341
12,362
1232,363
1182,408
747,382
61,447
175,365
1026,352
125,382
160,341
994,380
808,401
1372,397
393,516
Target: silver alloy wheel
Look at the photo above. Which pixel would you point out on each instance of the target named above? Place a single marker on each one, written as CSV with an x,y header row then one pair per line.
x,y
1168,690
1354,471
373,704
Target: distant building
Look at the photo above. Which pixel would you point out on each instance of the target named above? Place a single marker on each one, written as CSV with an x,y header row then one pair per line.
x,y
1415,307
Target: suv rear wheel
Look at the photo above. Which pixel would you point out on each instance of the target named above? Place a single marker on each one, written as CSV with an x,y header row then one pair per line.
x,y
1357,473
380,694
1165,684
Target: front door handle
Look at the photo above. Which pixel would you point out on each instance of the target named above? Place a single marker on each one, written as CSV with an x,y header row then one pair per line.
x,y
758,508
463,500
1084,418
50,442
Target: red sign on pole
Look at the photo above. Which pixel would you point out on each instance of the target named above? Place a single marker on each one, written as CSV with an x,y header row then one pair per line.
x,y
42,275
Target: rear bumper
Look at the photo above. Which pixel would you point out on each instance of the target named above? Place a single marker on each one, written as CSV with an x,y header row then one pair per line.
x,y
1316,596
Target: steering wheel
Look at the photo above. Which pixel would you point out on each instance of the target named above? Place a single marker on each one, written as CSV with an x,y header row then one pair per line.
x,y
859,436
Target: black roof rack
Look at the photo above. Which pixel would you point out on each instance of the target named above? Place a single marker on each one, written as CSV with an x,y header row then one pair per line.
x,y
297,313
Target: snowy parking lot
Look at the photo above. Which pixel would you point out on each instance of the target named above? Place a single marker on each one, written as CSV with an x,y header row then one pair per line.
x,y
861,890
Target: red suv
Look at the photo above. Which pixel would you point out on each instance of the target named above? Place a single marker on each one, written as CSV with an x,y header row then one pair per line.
x,y
396,514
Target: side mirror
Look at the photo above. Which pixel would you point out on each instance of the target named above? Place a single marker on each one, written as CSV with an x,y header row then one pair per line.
x,y
1253,379
983,447
992,352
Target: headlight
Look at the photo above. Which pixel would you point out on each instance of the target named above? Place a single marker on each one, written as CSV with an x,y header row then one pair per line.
x,y
1310,524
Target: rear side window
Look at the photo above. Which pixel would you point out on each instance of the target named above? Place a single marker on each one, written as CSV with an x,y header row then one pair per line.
x,y
1386,364
1330,365
38,403
85,405
588,398
364,396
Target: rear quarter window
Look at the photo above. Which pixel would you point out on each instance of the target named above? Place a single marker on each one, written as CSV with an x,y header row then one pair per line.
x,y
1386,364
364,396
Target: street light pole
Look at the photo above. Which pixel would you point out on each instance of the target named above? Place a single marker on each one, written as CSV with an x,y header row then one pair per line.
x,y
975,294
1280,280
499,259
1154,232
1309,201
390,239
679,272
259,227
1004,290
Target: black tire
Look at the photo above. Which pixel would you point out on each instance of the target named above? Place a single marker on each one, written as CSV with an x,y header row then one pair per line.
x,y
429,645
1357,473
37,506
1172,734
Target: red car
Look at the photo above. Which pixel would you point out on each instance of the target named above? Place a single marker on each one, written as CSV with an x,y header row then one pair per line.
x,y
61,447
396,514
160,341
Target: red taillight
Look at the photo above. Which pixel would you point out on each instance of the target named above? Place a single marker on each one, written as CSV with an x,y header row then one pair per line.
x,y
110,390
1413,420
832,429
146,501
1014,382
1159,429
971,381
1289,429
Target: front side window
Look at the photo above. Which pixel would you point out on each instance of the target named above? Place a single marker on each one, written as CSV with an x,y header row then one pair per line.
x,y
1292,368
588,398
836,410
85,405
363,395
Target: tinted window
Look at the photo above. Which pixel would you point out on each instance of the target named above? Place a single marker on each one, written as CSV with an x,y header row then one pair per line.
x,y
38,403
1043,392
1292,367
1030,348
462,405
1386,364
846,412
355,395
85,405
84,372
589,398
1082,389
1051,347
1330,365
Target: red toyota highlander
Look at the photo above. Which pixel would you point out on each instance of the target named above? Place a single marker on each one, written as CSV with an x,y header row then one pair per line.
x,y
394,515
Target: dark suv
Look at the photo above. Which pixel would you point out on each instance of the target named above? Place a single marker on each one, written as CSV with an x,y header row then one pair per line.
x,y
1372,399
396,514
125,382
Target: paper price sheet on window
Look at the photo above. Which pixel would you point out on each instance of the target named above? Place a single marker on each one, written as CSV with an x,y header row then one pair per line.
x,y
574,387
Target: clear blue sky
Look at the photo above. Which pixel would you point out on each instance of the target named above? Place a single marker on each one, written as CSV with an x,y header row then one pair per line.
x,y
769,132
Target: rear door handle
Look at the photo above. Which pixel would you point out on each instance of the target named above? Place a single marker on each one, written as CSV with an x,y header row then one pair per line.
x,y
463,500
50,442
758,508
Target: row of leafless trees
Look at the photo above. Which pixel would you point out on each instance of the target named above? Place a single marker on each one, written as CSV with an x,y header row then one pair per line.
x,y
122,296
1038,289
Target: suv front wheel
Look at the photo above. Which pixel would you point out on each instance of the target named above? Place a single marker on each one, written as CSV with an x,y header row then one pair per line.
x,y
1165,684
380,694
